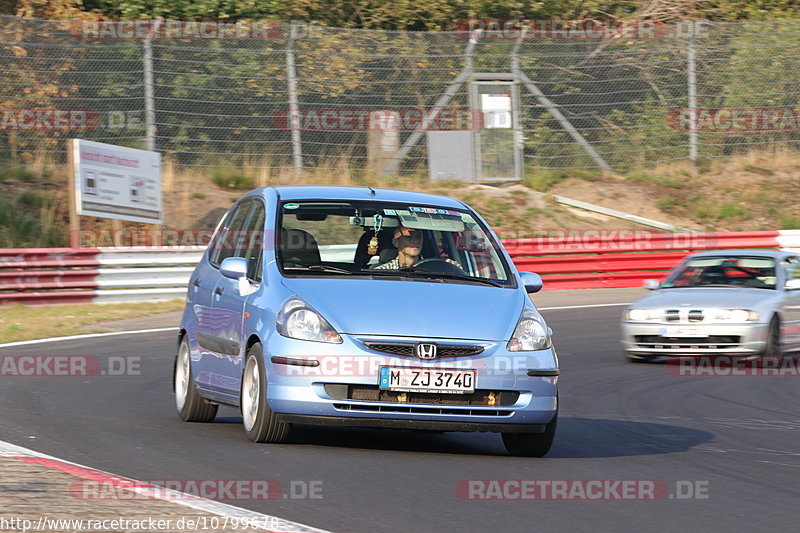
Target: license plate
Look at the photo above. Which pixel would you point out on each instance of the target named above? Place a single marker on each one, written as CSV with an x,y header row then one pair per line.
x,y
683,332
412,379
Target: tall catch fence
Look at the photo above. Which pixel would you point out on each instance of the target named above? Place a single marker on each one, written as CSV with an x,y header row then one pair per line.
x,y
300,96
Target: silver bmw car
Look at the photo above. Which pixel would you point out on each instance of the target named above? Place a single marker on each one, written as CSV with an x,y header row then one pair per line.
x,y
738,302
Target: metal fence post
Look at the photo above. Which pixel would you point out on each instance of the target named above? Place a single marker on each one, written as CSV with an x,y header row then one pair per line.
x,y
149,89
692,80
294,111
442,101
553,108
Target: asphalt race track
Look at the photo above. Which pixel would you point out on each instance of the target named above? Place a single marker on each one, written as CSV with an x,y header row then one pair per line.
x,y
737,437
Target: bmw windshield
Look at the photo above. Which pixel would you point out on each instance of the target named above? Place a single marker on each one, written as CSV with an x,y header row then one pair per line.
x,y
387,239
724,271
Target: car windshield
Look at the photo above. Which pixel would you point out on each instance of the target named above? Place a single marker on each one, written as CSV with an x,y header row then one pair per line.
x,y
379,239
724,271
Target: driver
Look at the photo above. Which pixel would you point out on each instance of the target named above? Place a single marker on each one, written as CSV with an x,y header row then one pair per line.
x,y
408,242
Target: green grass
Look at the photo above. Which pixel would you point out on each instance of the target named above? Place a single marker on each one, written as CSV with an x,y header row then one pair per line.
x,y
730,210
790,222
32,198
231,179
21,229
544,180
667,204
642,177
758,170
19,322
711,210
20,174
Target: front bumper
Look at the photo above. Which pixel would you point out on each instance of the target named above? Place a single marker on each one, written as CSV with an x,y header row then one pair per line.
x,y
659,340
304,394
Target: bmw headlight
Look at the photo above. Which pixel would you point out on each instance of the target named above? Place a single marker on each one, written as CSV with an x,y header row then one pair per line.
x,y
735,315
297,320
530,334
642,315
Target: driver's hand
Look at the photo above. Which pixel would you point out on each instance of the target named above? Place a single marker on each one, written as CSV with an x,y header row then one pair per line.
x,y
456,263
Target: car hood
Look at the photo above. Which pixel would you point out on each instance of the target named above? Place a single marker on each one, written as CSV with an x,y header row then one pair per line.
x,y
716,298
412,308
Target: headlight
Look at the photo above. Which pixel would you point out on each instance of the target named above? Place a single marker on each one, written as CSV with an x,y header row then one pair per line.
x,y
736,315
642,315
297,320
530,333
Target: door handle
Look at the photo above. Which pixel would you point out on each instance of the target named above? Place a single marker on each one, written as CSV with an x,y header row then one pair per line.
x,y
196,282
218,290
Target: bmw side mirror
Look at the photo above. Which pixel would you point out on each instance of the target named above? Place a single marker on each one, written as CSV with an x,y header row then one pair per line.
x,y
651,284
234,267
532,282
792,284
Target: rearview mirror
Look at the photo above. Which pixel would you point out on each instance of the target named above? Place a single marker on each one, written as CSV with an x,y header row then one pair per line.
x,y
532,282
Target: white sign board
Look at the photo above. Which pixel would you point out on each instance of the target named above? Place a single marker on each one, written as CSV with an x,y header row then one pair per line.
x,y
496,110
117,182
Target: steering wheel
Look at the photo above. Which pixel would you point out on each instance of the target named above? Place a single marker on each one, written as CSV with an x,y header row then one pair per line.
x,y
440,266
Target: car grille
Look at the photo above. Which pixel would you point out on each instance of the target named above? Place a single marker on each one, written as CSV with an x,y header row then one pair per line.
x,y
420,410
674,315
713,342
407,349
372,393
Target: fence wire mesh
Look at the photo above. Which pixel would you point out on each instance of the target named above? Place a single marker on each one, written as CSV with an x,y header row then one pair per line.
x,y
305,96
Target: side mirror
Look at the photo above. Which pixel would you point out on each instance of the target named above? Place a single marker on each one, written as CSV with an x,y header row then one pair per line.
x,y
651,284
792,284
532,282
234,267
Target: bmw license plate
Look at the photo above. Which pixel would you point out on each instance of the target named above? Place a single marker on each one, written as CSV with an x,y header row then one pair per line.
x,y
683,332
441,380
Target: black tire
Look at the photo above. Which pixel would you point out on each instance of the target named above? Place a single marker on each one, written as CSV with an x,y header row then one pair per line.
x,y
531,444
635,358
261,424
190,405
773,346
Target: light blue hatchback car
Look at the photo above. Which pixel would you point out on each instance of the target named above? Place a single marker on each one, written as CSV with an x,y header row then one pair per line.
x,y
365,307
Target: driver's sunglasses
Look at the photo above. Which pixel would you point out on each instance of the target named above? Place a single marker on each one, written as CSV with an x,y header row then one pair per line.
x,y
413,235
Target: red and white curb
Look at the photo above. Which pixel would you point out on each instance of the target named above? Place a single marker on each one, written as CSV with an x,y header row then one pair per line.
x,y
12,451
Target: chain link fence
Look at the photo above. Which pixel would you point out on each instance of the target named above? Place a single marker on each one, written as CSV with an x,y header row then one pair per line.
x,y
299,96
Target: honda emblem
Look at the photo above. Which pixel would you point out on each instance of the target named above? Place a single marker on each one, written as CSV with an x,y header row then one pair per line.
x,y
425,351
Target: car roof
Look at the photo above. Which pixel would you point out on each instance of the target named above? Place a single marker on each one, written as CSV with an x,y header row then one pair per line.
x,y
775,254
333,192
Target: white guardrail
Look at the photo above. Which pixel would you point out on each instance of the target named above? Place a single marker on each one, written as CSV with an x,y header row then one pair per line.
x,y
134,275
111,275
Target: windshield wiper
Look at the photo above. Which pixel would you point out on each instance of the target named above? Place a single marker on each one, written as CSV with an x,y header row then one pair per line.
x,y
319,268
465,277
427,273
